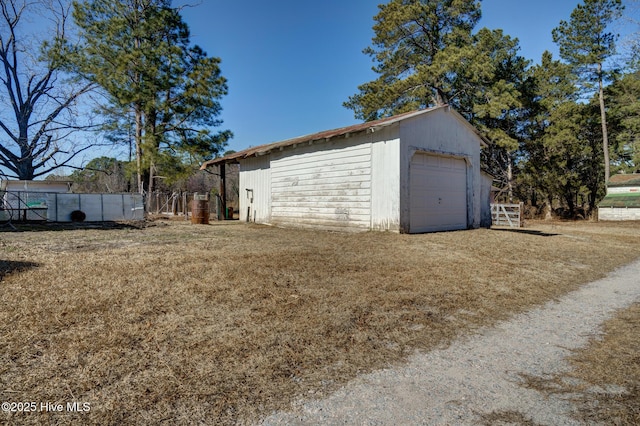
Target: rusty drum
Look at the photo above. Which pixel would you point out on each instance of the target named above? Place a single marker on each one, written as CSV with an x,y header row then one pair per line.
x,y
200,212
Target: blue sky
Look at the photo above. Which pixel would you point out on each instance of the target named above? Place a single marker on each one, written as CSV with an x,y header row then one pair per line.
x,y
290,64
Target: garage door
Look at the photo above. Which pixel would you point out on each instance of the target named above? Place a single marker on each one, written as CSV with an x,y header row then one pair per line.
x,y
438,193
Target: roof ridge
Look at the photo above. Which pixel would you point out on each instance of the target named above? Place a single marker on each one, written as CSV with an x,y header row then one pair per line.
x,y
322,135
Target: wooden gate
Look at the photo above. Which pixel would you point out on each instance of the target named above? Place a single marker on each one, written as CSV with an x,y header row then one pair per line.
x,y
506,215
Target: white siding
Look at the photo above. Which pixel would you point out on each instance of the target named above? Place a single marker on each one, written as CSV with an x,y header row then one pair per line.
x,y
440,132
485,200
35,186
362,180
385,182
326,185
618,213
255,190
622,189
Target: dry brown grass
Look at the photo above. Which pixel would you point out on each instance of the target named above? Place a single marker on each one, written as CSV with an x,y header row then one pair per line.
x,y
604,381
506,418
225,323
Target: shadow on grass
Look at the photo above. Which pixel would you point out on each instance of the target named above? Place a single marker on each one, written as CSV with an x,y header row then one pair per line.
x,y
72,226
9,266
507,418
526,231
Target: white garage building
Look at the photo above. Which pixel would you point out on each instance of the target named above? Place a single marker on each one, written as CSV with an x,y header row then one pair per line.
x,y
412,173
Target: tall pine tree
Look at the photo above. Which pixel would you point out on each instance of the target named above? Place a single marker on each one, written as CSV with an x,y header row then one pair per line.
x,y
585,44
427,54
139,52
624,102
416,47
561,161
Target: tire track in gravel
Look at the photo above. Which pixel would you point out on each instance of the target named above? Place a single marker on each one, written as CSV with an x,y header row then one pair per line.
x,y
481,373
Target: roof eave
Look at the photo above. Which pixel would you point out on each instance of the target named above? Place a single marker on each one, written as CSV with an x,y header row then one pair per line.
x,y
344,132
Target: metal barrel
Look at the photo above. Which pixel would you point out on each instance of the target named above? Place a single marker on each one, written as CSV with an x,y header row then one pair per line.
x,y
200,212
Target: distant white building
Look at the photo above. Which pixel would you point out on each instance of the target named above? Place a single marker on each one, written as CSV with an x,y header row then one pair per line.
x,y
28,199
622,201
414,172
58,186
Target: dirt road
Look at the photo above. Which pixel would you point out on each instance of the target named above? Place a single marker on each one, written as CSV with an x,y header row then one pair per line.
x,y
480,374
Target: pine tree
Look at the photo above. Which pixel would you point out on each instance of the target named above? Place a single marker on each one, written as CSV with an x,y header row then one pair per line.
x,y
139,52
416,46
586,45
624,102
560,152
426,54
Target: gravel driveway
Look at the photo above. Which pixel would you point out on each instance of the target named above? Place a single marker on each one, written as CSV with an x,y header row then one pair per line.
x,y
479,374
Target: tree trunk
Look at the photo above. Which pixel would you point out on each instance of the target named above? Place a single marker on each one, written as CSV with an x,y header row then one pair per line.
x,y
139,128
24,164
510,181
549,209
603,119
151,178
139,148
152,145
569,199
25,169
441,97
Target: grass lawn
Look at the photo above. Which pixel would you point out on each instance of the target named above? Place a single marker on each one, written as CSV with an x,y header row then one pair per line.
x,y
604,379
224,323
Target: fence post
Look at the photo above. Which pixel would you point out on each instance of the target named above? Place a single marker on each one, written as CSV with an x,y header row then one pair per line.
x,y
521,210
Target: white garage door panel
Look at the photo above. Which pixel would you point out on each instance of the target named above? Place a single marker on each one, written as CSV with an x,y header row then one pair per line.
x,y
438,193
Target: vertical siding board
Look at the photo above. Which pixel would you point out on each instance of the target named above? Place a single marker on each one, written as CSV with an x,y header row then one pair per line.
x,y
385,181
255,175
485,200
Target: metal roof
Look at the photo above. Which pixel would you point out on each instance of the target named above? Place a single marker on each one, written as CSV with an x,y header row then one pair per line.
x,y
370,126
27,184
626,199
631,179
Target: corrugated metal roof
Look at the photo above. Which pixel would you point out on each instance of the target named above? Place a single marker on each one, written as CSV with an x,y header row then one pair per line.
x,y
327,135
626,199
631,179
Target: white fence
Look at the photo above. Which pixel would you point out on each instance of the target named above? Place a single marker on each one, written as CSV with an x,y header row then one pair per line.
x,y
58,207
506,215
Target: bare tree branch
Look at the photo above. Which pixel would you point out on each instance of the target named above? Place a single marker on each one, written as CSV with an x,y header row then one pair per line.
x,y
43,116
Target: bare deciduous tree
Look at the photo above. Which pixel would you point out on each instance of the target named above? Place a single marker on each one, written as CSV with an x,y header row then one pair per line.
x,y
40,113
